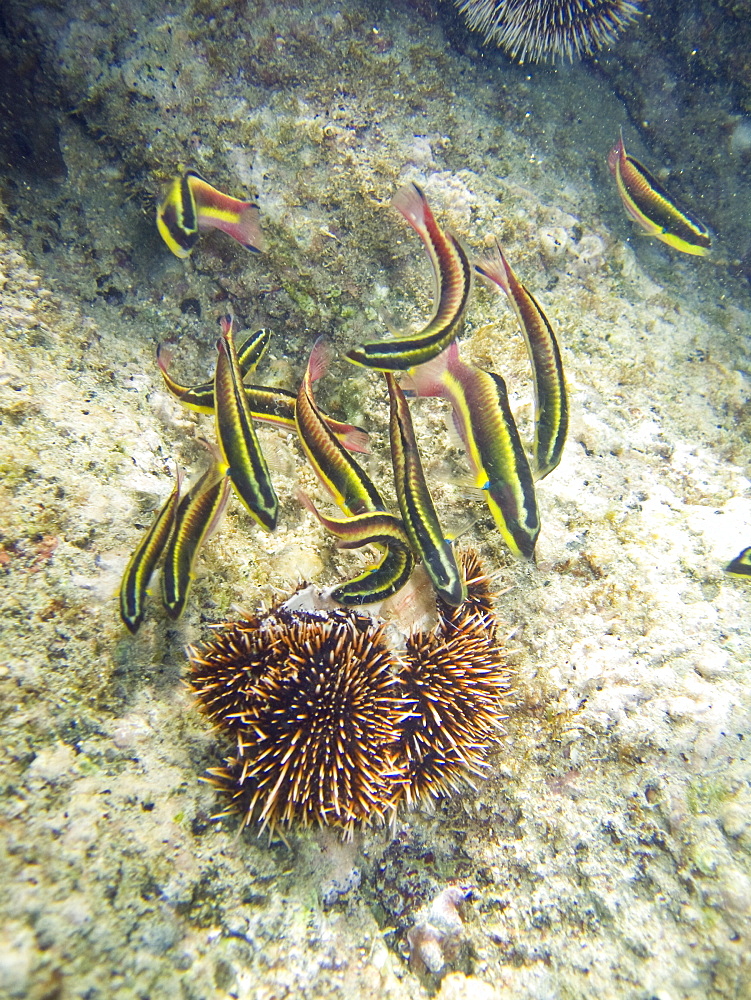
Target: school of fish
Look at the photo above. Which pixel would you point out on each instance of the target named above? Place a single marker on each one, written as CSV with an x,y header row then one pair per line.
x,y
430,365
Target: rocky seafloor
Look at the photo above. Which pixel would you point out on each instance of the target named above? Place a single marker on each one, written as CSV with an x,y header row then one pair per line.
x,y
608,852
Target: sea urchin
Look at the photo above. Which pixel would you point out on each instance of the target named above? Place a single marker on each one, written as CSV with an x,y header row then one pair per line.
x,y
538,30
457,679
316,729
224,672
332,726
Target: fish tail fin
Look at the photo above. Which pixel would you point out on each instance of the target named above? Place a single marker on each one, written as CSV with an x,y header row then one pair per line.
x,y
216,210
179,477
326,522
226,324
320,359
495,268
216,456
615,153
355,439
164,357
249,229
304,500
238,219
427,379
413,205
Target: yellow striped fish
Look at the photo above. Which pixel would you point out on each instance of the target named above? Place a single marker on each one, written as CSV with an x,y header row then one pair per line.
x,y
201,397
237,439
416,504
380,581
349,485
453,280
551,399
267,405
379,528
483,418
355,494
649,204
197,516
741,565
191,205
143,562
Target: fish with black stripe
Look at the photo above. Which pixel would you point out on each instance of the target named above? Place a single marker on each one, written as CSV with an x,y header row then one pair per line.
x,y
267,405
355,494
551,398
350,486
647,202
237,438
197,516
201,397
416,504
453,280
142,563
379,528
483,419
741,565
191,206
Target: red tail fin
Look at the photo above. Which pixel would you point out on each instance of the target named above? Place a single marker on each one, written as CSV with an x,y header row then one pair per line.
x,y
320,359
495,268
412,203
427,379
615,154
164,357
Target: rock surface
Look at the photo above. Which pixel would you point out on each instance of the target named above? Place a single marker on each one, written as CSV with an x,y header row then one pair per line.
x,y
608,851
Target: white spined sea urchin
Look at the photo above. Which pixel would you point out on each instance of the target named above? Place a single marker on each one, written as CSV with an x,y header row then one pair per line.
x,y
538,30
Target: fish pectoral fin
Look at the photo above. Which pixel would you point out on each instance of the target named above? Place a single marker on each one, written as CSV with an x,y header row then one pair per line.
x,y
467,486
454,536
388,320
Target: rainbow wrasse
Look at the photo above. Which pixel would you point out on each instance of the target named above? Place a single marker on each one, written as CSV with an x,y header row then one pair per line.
x,y
237,438
416,504
349,484
197,516
647,202
551,398
483,418
191,205
142,563
453,280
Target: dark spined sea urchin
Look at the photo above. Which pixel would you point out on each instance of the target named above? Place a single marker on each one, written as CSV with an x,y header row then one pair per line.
x,y
457,678
538,30
333,727
224,673
317,728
